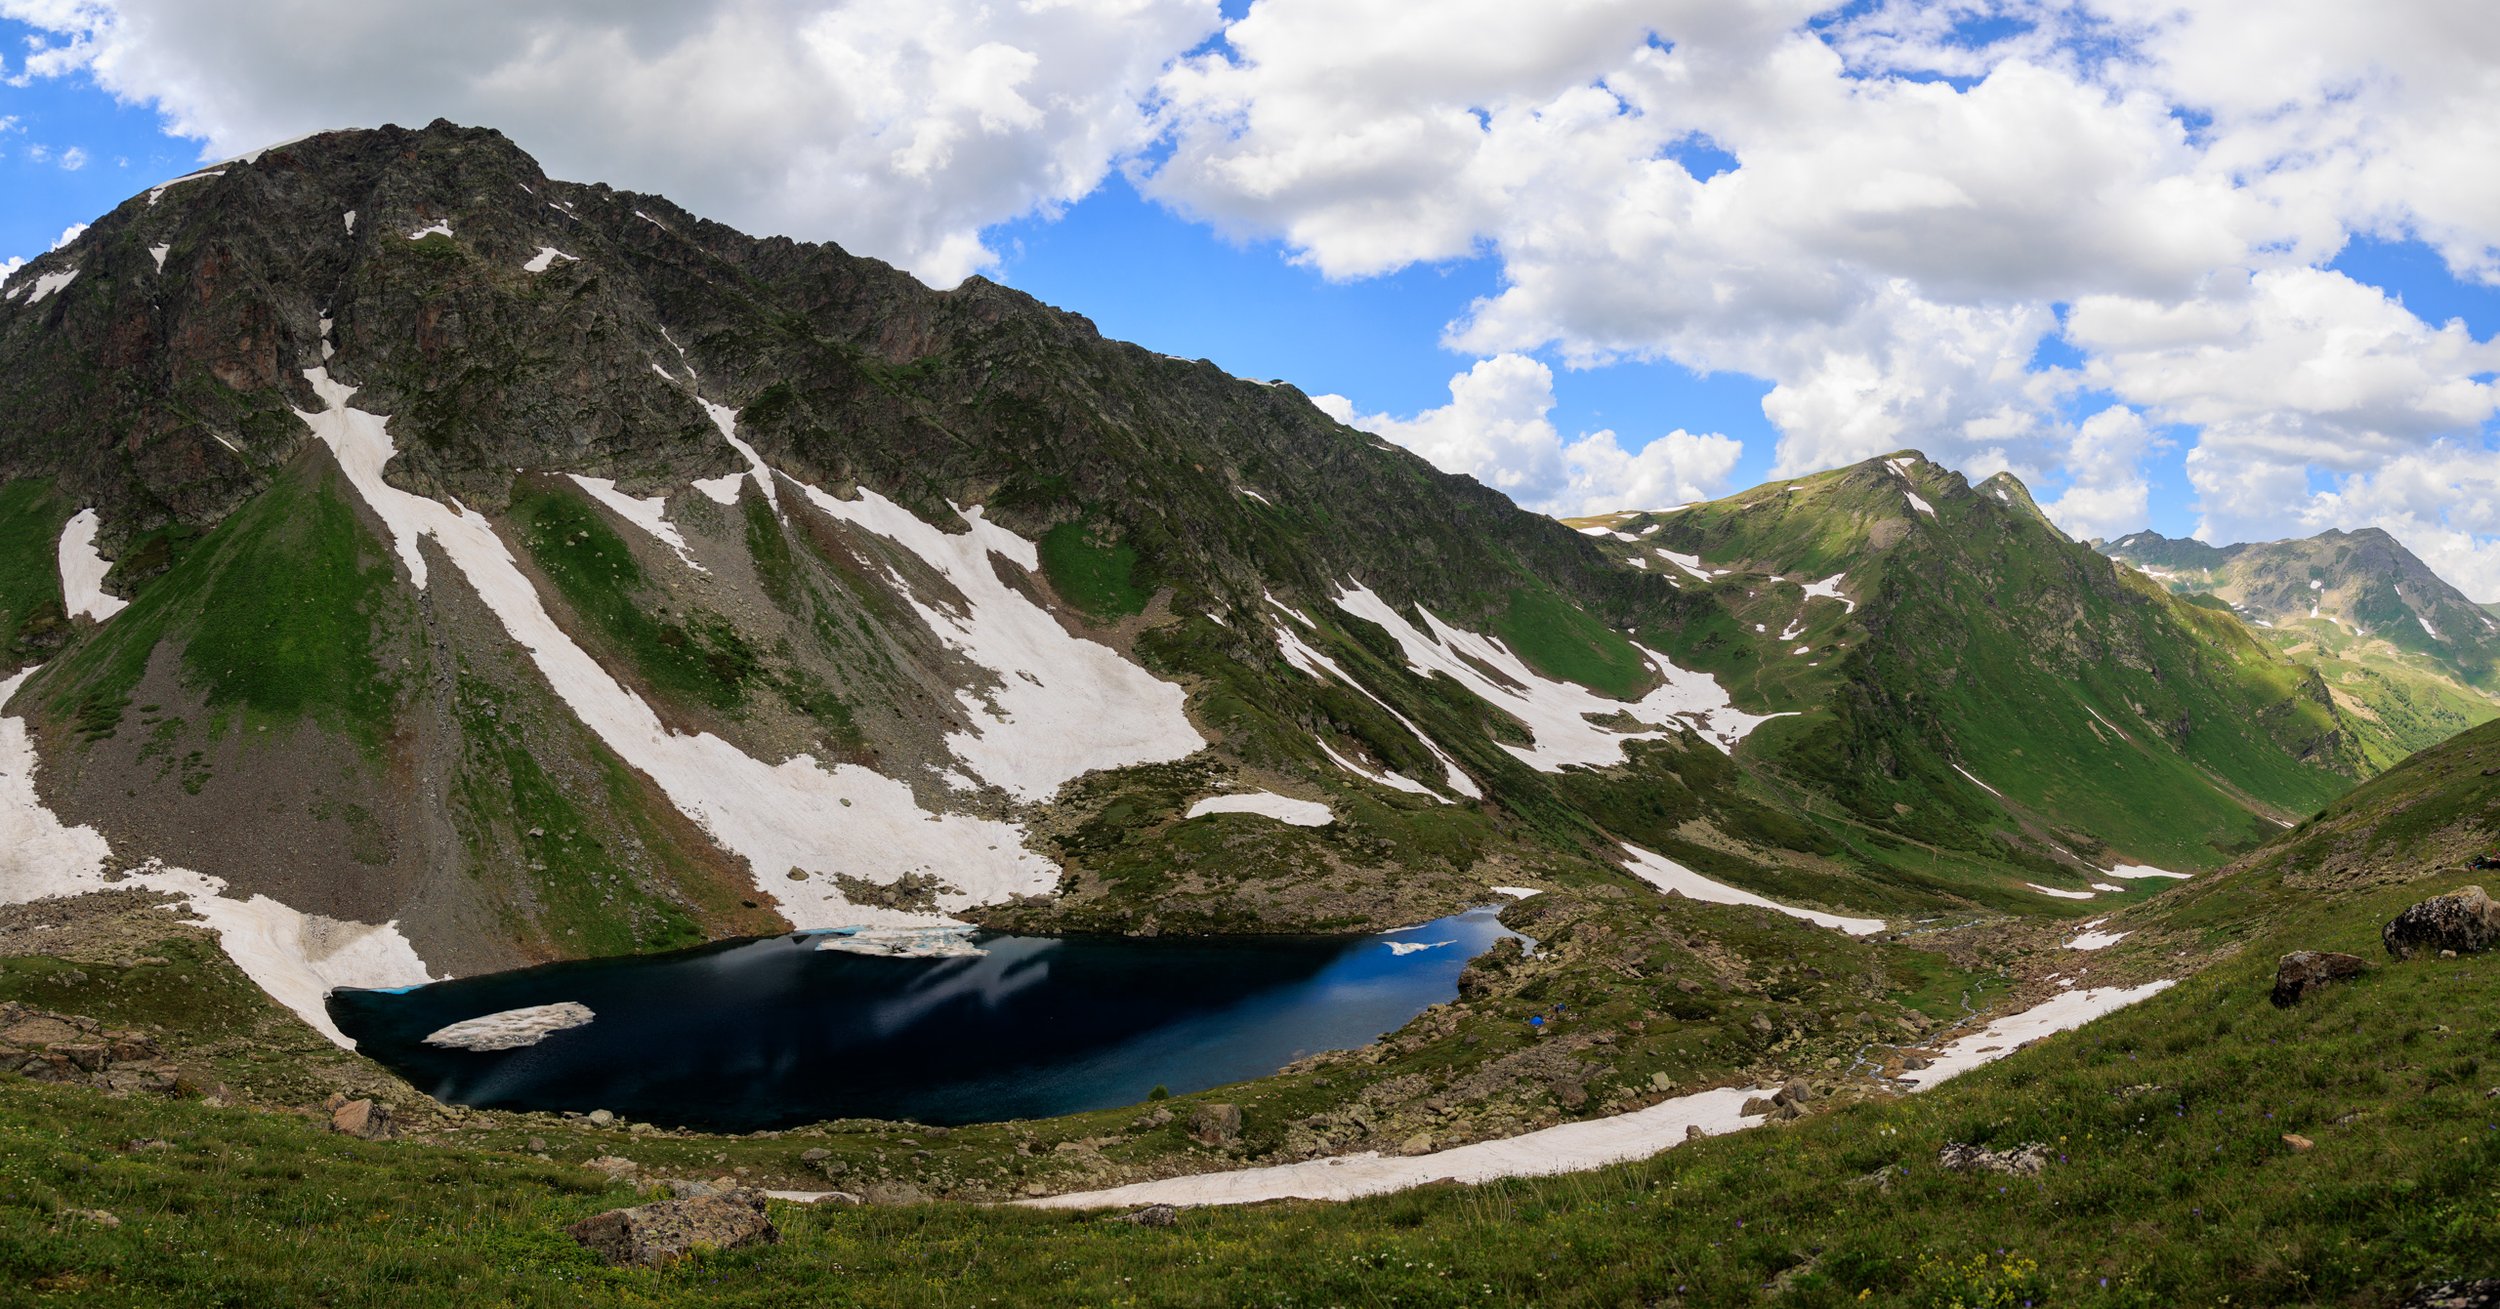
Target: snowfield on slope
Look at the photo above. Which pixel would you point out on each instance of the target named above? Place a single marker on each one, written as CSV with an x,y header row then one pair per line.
x,y
794,815
1668,875
83,570
1063,706
1557,713
297,958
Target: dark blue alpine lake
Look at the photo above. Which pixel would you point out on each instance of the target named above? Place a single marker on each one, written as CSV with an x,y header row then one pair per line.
x,y
769,1033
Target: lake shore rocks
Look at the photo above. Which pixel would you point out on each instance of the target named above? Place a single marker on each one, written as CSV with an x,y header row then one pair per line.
x,y
2465,921
2303,971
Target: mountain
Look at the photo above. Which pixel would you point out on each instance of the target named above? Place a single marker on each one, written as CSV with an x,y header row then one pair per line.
x,y
1969,684
2405,653
420,565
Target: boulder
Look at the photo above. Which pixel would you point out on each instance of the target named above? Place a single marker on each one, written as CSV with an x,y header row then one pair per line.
x,y
2017,1161
2303,971
615,1168
364,1119
1215,1124
1154,1215
2464,920
655,1234
2474,1293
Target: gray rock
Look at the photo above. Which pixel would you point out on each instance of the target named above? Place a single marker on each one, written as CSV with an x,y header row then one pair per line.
x,y
662,1233
2303,971
1757,1106
364,1119
1154,1215
2464,920
815,1155
2475,1293
600,1117
2017,1161
1215,1124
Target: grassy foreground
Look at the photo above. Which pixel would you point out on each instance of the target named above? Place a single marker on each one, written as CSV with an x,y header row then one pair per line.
x,y
2172,1185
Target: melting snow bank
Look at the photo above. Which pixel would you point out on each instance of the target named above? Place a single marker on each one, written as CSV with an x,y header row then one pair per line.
x,y
648,513
83,570
2062,895
952,941
1063,706
2014,1031
1668,875
1284,809
1319,667
545,259
2092,940
2146,870
1405,948
297,958
1571,1147
1558,713
513,1028
797,815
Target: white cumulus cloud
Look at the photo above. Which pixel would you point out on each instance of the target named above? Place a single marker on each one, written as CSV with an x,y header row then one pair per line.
x,y
1497,428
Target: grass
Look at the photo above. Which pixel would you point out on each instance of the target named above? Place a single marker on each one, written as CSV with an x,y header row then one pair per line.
x,y
1092,571
1558,639
2171,1184
695,657
31,612
278,614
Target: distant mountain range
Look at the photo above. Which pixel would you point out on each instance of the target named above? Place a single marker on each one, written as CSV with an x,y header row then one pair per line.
x,y
2402,648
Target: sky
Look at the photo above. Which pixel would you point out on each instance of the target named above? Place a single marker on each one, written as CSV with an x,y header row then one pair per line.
x,y
2224,268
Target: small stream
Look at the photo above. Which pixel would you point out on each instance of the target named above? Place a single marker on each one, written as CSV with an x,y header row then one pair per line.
x,y
768,1033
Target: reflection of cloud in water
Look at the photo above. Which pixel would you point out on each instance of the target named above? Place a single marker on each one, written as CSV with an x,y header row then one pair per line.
x,y
1009,967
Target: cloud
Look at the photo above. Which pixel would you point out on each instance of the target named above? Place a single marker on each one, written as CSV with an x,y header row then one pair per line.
x,y
901,131
9,267
1496,428
2108,493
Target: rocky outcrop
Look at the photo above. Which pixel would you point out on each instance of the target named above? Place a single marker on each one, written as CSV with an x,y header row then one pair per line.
x,y
47,1047
661,1233
2464,921
2303,971
2015,1161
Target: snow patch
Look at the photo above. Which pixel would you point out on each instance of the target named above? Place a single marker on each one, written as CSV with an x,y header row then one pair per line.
x,y
2092,940
1668,875
1404,948
1394,781
2062,895
2133,871
297,958
1517,892
1829,589
438,228
1557,713
350,216
1976,782
1918,504
513,1028
724,490
1320,667
1256,496
83,570
944,941
157,192
1284,809
1064,706
545,259
650,514
50,283
2014,1031
158,253
797,815
2426,626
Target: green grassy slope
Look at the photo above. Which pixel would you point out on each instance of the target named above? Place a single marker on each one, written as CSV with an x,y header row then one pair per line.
x,y
32,620
2094,709
2170,1184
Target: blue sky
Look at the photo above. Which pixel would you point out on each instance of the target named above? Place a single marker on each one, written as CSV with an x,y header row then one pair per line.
x,y
1382,282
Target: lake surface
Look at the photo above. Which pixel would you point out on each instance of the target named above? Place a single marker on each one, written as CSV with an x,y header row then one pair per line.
x,y
775,1032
